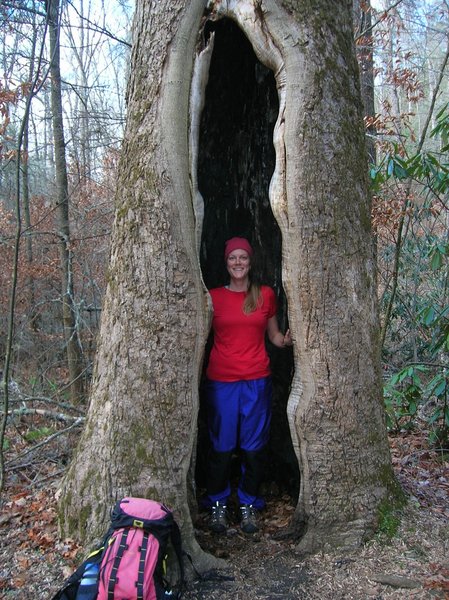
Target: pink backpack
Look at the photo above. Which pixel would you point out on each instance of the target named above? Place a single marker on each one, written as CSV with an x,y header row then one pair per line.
x,y
133,561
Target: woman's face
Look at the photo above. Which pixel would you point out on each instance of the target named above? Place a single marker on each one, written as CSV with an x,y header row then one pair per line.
x,y
238,264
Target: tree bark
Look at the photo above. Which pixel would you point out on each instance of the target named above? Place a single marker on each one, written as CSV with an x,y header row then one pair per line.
x,y
141,428
141,425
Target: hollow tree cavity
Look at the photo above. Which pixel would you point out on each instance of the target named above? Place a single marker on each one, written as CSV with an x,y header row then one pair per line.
x,y
234,160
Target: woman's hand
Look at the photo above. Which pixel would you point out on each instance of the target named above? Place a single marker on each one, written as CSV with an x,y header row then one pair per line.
x,y
288,338
275,336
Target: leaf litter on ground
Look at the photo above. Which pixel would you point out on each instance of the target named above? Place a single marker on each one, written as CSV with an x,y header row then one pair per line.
x,y
413,564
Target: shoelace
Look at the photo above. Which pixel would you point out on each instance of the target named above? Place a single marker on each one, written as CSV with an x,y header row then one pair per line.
x,y
248,511
219,512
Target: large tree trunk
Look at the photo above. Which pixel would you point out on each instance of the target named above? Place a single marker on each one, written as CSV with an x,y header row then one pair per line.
x,y
141,425
141,429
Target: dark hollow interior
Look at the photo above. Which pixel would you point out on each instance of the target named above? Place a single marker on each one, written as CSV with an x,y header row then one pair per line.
x,y
235,164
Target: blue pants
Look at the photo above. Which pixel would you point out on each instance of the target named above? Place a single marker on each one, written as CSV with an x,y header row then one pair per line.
x,y
239,416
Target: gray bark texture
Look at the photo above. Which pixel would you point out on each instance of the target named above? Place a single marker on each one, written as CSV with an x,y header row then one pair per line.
x,y
329,275
141,425
140,433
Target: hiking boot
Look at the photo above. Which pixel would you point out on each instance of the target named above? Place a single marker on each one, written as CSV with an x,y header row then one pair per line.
x,y
248,523
218,521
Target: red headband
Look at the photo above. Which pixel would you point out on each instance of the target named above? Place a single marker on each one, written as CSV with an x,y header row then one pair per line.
x,y
237,243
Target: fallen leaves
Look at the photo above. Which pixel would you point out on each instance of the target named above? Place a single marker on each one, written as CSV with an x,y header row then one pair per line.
x,y
423,473
34,562
440,579
29,546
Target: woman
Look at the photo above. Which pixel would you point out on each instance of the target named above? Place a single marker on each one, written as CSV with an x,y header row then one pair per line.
x,y
239,387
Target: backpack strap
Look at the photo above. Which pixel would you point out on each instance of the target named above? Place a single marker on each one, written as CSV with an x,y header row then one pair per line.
x,y
175,537
118,557
141,572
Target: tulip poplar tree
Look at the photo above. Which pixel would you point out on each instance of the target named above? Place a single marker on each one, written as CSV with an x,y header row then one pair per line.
x,y
244,117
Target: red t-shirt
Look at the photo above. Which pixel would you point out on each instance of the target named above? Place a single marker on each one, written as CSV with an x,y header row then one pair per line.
x,y
239,340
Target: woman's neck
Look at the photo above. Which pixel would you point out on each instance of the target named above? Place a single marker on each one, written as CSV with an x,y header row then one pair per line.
x,y
238,285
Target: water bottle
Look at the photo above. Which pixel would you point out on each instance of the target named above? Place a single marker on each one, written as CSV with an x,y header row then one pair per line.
x,y
88,586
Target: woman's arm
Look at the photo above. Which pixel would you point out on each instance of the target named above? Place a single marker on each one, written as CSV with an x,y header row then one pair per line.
x,y
275,336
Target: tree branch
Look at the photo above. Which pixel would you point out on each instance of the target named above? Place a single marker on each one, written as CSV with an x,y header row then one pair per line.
x,y
379,20
98,29
44,413
46,400
79,421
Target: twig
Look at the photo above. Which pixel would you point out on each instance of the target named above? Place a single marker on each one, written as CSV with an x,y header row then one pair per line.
x,y
371,27
43,413
51,476
25,476
46,400
77,423
426,364
30,463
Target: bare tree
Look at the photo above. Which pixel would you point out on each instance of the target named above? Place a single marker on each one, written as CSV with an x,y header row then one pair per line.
x,y
363,31
72,342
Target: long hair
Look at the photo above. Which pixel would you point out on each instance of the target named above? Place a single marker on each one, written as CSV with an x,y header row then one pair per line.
x,y
253,299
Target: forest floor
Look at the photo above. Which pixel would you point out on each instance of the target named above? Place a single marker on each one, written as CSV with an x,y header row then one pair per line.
x,y
410,562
